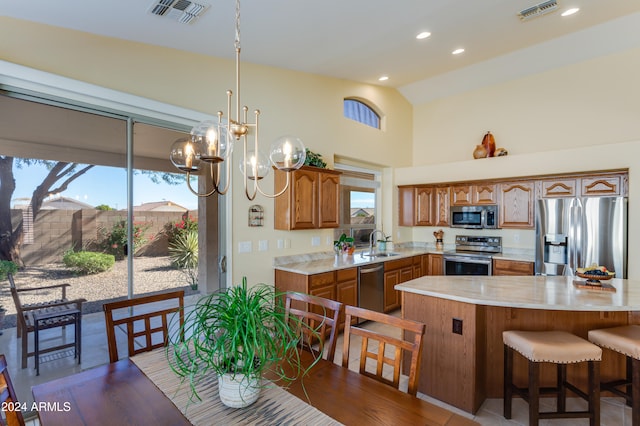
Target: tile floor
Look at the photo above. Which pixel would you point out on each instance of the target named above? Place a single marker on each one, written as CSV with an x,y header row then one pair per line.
x,y
95,352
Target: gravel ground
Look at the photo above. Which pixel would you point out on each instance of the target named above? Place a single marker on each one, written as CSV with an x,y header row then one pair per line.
x,y
151,274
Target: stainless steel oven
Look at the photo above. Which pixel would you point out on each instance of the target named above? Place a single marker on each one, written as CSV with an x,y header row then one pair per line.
x,y
472,256
466,264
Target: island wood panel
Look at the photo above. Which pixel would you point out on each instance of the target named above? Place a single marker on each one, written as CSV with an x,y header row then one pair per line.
x,y
464,370
452,367
576,322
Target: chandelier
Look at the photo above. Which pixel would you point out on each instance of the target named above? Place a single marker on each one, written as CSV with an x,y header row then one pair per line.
x,y
210,146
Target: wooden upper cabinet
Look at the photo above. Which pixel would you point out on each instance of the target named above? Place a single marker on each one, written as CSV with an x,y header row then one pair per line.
x,y
480,193
586,186
461,195
484,193
602,185
442,203
517,204
555,188
310,202
406,203
416,205
424,197
329,200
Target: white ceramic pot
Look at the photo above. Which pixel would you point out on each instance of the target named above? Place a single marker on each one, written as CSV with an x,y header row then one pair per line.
x,y
238,391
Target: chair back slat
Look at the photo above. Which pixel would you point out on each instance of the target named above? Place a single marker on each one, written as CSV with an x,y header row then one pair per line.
x,y
142,340
390,349
317,321
8,395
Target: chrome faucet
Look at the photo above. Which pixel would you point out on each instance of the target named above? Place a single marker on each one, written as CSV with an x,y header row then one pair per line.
x,y
384,237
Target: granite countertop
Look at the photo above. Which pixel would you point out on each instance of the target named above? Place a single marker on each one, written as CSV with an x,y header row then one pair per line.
x,y
317,263
532,292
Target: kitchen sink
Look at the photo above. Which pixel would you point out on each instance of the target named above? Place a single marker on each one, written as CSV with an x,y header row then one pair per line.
x,y
380,254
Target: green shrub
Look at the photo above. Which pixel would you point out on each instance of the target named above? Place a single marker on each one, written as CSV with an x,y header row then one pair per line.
x,y
115,240
88,262
174,230
183,252
7,267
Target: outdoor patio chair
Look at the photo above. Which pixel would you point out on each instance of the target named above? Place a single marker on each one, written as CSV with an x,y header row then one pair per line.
x,y
8,396
52,314
146,329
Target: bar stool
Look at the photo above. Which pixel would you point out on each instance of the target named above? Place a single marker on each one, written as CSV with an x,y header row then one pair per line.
x,y
625,340
557,347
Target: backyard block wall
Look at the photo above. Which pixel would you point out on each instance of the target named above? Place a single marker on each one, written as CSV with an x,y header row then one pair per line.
x,y
56,231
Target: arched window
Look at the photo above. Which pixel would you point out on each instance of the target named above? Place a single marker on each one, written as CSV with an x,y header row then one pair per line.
x,y
361,112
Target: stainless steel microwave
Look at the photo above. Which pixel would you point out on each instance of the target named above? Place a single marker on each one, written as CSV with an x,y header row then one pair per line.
x,y
474,217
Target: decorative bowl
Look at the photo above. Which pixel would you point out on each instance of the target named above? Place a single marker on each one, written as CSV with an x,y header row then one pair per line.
x,y
595,279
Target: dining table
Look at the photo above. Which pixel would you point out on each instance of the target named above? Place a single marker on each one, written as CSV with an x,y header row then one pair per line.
x,y
143,390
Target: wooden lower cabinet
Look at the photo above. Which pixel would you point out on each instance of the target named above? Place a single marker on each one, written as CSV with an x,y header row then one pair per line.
x,y
396,272
347,286
340,285
512,267
432,264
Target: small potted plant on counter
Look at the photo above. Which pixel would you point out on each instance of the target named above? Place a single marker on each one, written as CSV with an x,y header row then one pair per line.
x,y
238,334
344,245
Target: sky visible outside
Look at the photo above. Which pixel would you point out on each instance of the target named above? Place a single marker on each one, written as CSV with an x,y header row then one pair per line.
x,y
108,185
105,185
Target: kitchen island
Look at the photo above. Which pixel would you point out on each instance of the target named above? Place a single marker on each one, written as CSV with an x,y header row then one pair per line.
x,y
462,360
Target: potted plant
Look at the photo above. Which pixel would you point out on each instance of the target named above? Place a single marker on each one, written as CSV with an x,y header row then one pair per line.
x,y
344,245
239,334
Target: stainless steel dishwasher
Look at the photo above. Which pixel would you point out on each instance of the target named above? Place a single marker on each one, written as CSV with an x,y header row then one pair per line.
x,y
371,287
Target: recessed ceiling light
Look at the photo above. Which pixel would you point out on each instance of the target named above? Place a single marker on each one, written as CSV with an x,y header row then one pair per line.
x,y
383,78
423,35
457,51
570,11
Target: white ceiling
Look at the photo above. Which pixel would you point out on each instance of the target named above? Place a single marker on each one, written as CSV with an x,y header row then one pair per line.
x,y
352,39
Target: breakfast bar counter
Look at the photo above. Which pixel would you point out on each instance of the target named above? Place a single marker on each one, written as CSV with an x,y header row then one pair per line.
x,y
462,361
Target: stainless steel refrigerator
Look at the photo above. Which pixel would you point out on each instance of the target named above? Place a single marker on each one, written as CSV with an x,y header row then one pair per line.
x,y
577,232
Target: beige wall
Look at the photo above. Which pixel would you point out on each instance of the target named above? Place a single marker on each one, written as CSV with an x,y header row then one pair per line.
x,y
305,105
581,117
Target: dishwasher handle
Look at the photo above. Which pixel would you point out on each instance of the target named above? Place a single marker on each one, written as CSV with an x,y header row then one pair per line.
x,y
364,270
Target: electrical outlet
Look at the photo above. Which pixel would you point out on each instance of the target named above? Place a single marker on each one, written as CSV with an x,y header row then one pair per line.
x,y
263,245
315,241
457,326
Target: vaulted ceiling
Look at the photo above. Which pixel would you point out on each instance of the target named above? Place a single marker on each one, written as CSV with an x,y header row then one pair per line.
x,y
358,40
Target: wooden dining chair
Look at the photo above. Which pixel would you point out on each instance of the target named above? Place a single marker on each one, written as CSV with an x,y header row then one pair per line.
x,y
7,397
58,312
410,342
317,321
144,320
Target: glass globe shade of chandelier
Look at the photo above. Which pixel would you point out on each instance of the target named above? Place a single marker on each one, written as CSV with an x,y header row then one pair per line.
x,y
211,143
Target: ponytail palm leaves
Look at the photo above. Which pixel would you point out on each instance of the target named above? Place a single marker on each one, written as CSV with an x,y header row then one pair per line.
x,y
238,331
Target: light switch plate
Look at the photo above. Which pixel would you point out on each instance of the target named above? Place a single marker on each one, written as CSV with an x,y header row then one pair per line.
x,y
315,241
244,247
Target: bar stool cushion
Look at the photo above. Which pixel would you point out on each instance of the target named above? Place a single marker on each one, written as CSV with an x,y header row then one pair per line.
x,y
559,347
624,339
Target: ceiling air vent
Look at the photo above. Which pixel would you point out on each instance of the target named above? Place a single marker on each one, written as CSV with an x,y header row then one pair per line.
x,y
538,10
184,11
